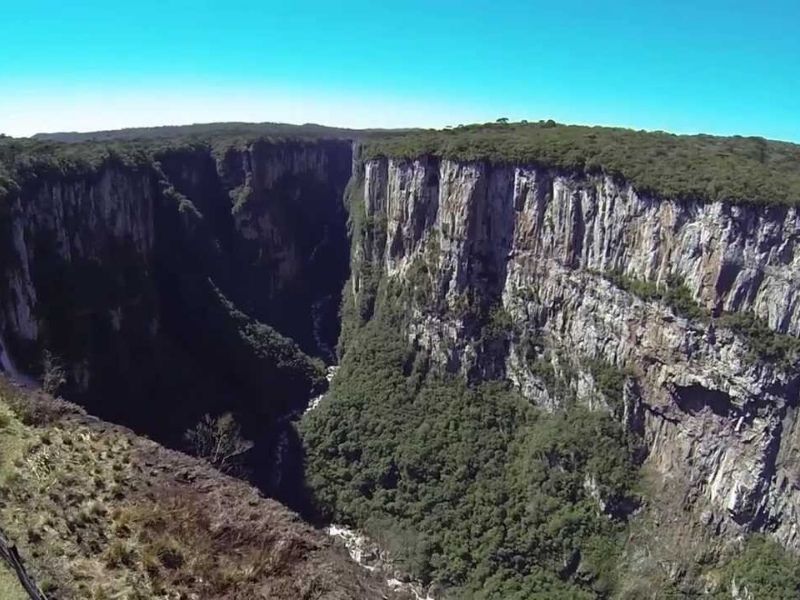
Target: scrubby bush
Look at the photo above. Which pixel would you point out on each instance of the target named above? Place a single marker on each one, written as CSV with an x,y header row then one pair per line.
x,y
673,292
54,375
765,343
764,570
219,441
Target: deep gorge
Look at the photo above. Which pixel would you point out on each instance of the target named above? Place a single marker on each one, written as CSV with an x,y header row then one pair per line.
x,y
183,285
490,318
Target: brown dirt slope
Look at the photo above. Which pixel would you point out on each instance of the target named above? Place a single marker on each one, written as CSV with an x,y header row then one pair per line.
x,y
98,512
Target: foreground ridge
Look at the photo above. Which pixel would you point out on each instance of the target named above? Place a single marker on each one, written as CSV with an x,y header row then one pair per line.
x,y
99,511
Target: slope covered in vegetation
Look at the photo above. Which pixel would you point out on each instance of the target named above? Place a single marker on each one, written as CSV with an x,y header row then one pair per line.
x,y
70,152
703,167
472,487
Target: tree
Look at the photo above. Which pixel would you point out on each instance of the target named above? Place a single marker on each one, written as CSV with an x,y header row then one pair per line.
x,y
53,373
218,441
503,120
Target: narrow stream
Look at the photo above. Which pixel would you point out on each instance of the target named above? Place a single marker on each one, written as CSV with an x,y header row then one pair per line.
x,y
368,554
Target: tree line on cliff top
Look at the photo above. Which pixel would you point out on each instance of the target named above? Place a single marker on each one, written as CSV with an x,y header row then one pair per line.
x,y
697,167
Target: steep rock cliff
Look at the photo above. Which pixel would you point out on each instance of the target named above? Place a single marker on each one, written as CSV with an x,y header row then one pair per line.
x,y
519,272
171,280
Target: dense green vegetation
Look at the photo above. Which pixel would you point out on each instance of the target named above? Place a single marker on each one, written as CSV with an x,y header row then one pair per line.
x,y
765,343
672,292
699,167
29,159
217,130
470,487
765,570
610,382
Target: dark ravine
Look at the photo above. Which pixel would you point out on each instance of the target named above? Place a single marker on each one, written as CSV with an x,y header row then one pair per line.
x,y
182,283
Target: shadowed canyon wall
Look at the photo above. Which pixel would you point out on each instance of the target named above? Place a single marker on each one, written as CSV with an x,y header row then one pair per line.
x,y
199,281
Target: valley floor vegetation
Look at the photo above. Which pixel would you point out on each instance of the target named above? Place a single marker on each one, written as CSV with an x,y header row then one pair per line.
x,y
482,495
472,488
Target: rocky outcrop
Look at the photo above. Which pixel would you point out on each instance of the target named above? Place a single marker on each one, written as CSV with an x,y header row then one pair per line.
x,y
734,257
535,253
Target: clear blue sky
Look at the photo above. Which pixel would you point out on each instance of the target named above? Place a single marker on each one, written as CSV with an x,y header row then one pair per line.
x,y
706,65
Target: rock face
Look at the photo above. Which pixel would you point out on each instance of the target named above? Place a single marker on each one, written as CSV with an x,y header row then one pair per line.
x,y
69,222
277,214
167,282
541,255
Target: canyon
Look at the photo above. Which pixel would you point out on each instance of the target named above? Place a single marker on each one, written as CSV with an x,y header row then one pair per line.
x,y
206,277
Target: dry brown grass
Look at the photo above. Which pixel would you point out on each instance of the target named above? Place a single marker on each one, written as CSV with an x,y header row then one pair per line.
x,y
98,513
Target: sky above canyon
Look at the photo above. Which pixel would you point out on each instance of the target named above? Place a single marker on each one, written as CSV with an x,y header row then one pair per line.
x,y
724,67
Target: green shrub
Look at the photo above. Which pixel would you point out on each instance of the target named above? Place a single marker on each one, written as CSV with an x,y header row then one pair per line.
x,y
672,292
610,381
499,324
765,343
765,570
